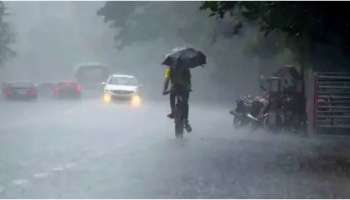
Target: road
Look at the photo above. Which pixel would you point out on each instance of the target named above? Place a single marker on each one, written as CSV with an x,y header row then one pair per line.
x,y
87,149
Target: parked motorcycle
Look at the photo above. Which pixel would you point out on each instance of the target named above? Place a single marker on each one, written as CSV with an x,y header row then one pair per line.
x,y
281,108
247,112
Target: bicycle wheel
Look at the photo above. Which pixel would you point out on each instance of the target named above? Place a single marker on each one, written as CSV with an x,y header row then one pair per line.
x,y
179,122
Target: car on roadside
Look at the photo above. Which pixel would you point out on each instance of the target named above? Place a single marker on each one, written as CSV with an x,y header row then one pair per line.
x,y
21,90
119,88
67,89
91,74
46,89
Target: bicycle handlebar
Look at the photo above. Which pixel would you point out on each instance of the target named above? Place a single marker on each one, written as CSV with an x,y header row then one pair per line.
x,y
166,92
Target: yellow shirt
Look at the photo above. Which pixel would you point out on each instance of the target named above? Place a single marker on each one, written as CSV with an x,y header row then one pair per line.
x,y
180,79
167,73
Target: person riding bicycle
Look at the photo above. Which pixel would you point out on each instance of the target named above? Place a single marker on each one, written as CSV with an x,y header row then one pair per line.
x,y
180,80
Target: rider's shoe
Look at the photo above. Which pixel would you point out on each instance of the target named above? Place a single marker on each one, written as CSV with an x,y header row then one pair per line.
x,y
188,127
171,115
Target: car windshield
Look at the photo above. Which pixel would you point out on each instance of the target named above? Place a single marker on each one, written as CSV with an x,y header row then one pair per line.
x,y
121,80
22,84
67,84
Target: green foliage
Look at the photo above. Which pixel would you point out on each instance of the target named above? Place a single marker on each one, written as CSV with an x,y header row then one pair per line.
x,y
174,21
304,23
147,21
6,36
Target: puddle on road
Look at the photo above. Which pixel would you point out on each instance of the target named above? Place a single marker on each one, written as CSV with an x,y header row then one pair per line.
x,y
20,182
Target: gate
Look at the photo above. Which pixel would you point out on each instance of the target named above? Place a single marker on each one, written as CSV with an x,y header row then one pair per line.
x,y
331,103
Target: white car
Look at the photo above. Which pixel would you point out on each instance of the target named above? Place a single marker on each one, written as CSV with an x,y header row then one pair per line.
x,y
122,87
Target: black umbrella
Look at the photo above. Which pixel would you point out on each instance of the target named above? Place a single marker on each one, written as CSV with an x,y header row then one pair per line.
x,y
185,57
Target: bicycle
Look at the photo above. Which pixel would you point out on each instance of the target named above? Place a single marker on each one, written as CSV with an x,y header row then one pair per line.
x,y
178,115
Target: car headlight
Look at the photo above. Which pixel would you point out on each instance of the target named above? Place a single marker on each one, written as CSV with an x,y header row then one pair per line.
x,y
136,101
107,97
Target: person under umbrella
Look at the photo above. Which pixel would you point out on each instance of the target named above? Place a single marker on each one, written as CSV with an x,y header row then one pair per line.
x,y
178,74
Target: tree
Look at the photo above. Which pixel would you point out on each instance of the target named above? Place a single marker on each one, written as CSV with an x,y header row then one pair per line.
x,y
6,36
306,25
183,23
147,21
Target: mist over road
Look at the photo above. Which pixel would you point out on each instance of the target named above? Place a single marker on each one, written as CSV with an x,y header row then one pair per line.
x,y
88,149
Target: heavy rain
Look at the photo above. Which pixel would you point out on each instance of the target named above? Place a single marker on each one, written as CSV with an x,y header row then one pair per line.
x,y
260,90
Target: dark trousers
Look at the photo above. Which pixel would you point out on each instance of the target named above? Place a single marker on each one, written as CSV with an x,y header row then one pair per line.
x,y
185,96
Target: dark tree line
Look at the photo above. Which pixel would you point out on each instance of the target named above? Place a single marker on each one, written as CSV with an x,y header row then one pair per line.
x,y
313,30
318,33
146,21
6,36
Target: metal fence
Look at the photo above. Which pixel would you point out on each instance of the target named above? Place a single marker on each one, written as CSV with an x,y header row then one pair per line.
x,y
332,102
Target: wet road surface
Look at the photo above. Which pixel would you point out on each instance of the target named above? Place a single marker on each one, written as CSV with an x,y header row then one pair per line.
x,y
87,149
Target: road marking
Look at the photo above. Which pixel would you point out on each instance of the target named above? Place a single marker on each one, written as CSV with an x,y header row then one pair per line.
x,y
20,182
41,175
69,165
57,169
2,189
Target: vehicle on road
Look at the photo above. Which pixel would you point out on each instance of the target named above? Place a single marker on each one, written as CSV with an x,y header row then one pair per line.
x,y
19,90
67,89
46,89
120,87
90,75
